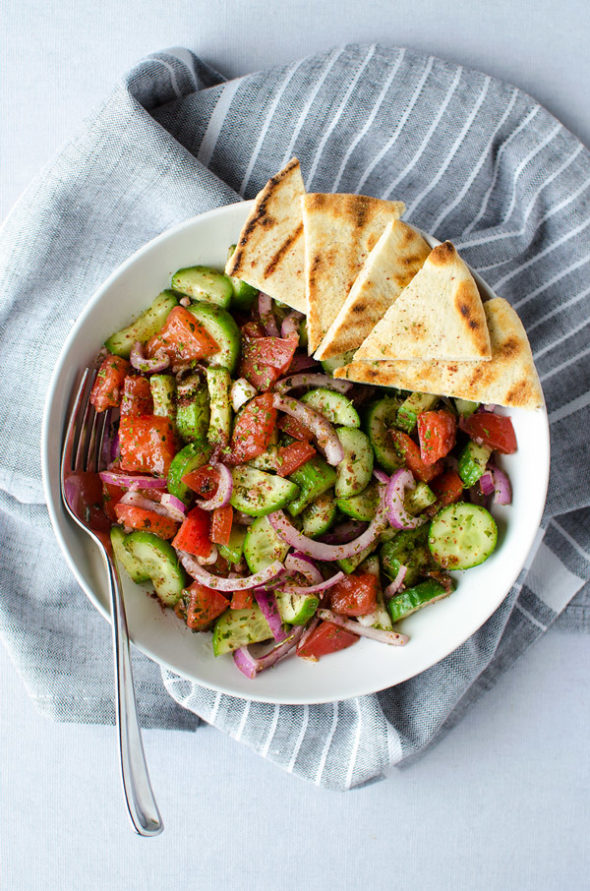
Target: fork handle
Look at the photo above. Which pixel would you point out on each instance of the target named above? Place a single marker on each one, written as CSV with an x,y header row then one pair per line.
x,y
141,803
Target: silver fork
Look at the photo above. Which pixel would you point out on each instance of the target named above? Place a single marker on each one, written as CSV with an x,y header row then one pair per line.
x,y
82,457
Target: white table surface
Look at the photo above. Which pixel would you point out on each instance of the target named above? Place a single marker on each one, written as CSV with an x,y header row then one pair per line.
x,y
502,802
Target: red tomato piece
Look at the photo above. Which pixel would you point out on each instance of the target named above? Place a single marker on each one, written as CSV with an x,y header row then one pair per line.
x,y
265,359
291,457
448,487
410,452
111,495
253,429
108,387
492,430
252,330
355,595
326,638
293,428
221,523
437,431
204,480
193,536
242,600
137,396
147,443
147,520
204,606
182,337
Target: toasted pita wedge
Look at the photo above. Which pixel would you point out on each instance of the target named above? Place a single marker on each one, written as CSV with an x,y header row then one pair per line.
x,y
270,253
340,232
509,378
438,316
391,265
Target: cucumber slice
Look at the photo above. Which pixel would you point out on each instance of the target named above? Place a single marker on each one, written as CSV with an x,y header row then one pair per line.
x,y
380,418
224,331
413,599
407,415
163,390
349,564
191,457
159,561
244,294
419,498
263,546
233,550
462,535
466,407
334,406
296,609
204,283
192,407
473,461
313,479
330,365
145,326
237,628
257,493
319,516
124,558
268,460
354,472
218,384
363,506
409,549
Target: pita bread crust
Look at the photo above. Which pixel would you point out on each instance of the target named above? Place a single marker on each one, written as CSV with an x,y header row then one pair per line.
x,y
391,265
439,315
270,252
340,232
509,378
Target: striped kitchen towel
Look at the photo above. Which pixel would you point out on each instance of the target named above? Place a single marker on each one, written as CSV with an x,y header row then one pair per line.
x,y
476,161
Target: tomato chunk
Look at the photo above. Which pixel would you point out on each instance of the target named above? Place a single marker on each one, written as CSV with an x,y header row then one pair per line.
x,y
355,595
204,480
204,606
253,429
221,523
108,387
137,396
193,536
437,432
292,457
147,443
182,337
492,430
141,518
111,495
242,600
448,487
293,428
326,638
410,452
265,359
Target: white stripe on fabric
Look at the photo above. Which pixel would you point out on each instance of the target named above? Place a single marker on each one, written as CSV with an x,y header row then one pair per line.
x,y
271,732
557,309
557,277
388,145
551,580
543,253
394,743
498,236
304,724
216,122
355,745
530,617
332,59
264,129
431,129
370,119
530,116
565,364
469,182
555,343
327,745
577,547
464,130
564,411
172,73
185,58
215,709
238,734
337,116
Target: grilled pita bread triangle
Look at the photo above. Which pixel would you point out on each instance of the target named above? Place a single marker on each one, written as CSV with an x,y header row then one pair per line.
x,y
391,265
340,232
509,378
439,315
270,252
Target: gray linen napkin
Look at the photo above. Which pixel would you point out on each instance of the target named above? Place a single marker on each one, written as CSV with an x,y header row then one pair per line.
x,y
476,161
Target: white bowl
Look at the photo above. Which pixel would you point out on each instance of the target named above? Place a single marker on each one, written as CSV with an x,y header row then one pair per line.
x,y
365,668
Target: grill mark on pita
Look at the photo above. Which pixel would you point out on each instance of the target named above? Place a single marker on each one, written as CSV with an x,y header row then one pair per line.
x,y
520,393
443,254
279,254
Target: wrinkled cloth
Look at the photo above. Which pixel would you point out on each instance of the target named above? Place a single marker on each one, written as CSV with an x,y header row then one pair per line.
x,y
476,161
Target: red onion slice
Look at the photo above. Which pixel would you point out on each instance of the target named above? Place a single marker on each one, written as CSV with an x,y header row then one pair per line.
x,y
486,483
393,638
224,490
148,366
311,380
344,532
138,500
241,392
301,362
218,583
324,585
397,486
290,325
267,602
267,316
130,481
176,509
185,301
250,665
321,428
302,564
502,487
380,476
395,586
